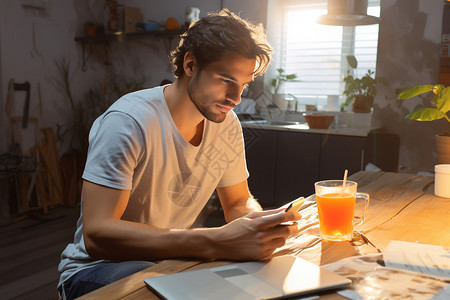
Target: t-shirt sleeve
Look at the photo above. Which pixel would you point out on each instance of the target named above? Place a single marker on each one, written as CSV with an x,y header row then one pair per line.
x,y
236,172
115,148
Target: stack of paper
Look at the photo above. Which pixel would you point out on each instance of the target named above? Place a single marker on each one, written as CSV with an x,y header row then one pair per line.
x,y
404,271
427,259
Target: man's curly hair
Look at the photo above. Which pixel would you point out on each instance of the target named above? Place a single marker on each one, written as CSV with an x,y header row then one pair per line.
x,y
209,38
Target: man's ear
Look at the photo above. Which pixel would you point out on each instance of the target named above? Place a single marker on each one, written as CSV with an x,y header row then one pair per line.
x,y
189,64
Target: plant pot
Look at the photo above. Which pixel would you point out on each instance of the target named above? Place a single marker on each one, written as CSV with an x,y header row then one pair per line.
x,y
362,104
91,30
443,149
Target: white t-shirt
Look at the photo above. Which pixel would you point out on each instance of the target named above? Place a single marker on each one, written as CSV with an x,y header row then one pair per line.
x,y
136,146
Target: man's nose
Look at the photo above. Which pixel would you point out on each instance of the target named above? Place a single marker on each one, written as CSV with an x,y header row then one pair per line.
x,y
234,95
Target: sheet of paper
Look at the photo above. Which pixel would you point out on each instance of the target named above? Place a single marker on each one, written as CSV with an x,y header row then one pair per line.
x,y
427,259
371,280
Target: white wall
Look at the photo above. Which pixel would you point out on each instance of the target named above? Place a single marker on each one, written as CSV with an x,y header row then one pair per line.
x,y
408,55
31,40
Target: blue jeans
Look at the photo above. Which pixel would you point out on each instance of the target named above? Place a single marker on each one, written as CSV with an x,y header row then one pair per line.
x,y
93,278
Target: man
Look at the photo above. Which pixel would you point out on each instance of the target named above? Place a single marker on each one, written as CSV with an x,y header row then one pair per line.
x,y
156,156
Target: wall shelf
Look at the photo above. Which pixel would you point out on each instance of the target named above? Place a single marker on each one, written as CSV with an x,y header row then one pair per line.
x,y
90,42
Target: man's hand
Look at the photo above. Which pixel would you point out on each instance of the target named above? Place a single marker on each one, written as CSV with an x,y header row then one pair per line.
x,y
254,236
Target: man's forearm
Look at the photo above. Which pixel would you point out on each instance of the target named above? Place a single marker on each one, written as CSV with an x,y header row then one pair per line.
x,y
122,240
242,208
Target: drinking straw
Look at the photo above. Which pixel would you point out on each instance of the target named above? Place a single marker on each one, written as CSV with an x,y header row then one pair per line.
x,y
344,182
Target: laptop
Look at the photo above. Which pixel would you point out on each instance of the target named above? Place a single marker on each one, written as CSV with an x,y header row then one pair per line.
x,y
280,277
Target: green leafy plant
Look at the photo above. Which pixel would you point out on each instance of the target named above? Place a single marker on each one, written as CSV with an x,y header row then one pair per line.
x,y
354,86
440,100
85,109
76,127
281,78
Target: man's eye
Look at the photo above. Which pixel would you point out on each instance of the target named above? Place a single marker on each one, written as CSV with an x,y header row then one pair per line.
x,y
227,81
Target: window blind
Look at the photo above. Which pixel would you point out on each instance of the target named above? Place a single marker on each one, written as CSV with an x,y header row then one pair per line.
x,y
317,53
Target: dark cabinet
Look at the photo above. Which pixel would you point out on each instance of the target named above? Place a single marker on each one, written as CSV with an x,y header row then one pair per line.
x,y
260,152
284,165
296,165
340,152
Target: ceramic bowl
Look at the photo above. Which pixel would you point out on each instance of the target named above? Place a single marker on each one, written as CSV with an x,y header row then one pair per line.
x,y
318,120
149,26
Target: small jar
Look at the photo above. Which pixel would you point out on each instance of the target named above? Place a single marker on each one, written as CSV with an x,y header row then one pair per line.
x,y
442,180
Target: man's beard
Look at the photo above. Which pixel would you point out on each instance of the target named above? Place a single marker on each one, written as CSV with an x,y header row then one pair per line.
x,y
205,110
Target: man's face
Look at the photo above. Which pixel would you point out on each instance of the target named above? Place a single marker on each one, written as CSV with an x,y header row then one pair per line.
x,y
217,88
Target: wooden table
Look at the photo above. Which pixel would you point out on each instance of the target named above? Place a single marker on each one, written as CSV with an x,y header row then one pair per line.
x,y
402,207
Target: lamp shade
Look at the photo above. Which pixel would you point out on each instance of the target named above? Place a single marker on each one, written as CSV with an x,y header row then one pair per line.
x,y
347,13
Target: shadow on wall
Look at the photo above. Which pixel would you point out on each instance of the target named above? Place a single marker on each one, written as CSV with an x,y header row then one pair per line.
x,y
407,57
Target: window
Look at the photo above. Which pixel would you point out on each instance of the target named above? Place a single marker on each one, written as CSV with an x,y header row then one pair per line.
x,y
317,53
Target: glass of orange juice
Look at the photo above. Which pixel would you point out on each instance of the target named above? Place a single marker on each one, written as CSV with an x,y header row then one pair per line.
x,y
336,208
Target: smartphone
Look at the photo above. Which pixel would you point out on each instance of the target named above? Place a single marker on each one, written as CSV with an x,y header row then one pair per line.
x,y
295,205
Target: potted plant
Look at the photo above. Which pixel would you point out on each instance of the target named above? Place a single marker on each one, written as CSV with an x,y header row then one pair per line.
x,y
91,28
276,83
359,91
440,109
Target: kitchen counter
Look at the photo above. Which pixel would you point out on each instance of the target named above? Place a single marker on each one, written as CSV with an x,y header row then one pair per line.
x,y
303,127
